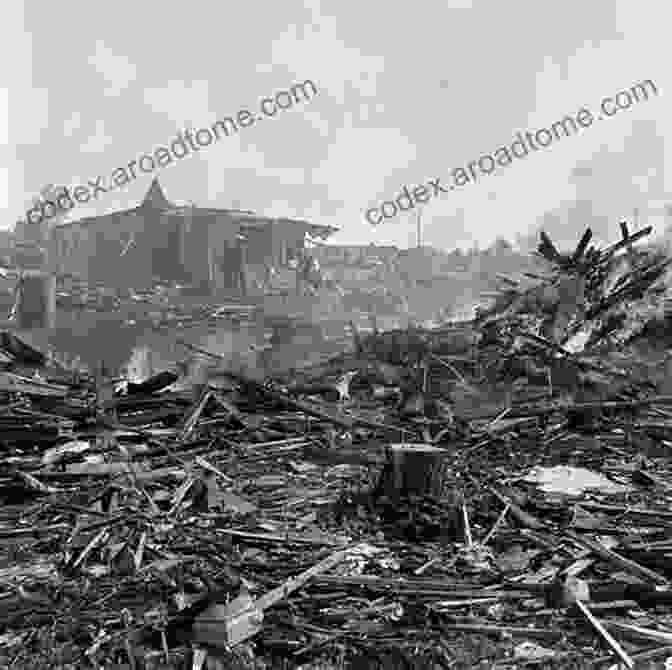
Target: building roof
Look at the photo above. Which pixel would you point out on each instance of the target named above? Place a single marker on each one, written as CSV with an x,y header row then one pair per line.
x,y
249,220
90,220
155,197
156,200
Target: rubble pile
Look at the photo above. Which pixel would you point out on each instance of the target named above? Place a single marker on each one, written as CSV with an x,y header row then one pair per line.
x,y
494,494
166,305
591,303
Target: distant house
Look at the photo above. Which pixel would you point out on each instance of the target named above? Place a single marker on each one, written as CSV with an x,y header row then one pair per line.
x,y
222,248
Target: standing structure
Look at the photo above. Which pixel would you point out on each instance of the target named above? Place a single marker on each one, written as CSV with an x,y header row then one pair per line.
x,y
226,249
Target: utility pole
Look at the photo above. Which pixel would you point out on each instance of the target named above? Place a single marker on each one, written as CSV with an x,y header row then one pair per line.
x,y
419,223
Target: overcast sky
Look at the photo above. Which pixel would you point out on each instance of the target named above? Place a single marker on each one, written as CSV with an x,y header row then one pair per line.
x,y
407,91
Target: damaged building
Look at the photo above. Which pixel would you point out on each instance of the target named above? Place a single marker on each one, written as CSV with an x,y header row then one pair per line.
x,y
224,249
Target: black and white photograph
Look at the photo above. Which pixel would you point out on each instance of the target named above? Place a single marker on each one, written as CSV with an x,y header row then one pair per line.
x,y
336,336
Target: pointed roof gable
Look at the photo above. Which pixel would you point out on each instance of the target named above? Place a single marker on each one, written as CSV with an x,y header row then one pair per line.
x,y
155,197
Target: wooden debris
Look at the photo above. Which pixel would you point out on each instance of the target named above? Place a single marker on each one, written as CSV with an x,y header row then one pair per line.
x,y
615,646
624,563
131,522
242,618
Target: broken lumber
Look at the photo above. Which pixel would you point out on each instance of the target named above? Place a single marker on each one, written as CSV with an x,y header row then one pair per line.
x,y
624,563
603,633
227,625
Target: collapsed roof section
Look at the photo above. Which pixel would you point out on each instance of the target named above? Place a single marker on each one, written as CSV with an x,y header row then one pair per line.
x,y
156,200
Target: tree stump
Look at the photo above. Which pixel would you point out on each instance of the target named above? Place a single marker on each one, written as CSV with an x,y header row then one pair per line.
x,y
413,470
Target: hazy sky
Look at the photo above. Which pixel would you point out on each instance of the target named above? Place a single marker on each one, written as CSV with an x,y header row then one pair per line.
x,y
407,91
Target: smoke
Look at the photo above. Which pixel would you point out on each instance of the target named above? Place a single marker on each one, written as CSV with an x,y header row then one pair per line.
x,y
139,368
613,185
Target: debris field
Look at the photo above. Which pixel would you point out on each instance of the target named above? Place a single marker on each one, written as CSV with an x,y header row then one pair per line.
x,y
487,494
